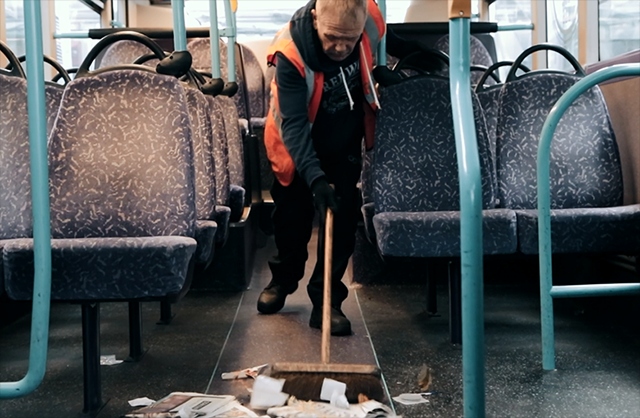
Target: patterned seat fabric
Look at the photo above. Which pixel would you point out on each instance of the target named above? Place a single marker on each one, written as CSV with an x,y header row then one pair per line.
x,y
200,50
137,189
200,117
489,102
479,56
585,171
53,97
121,52
15,175
415,175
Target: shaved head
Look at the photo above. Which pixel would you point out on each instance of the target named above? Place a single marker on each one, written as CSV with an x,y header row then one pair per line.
x,y
339,24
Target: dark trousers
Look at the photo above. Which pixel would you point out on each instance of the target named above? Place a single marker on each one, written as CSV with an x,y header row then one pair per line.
x,y
293,222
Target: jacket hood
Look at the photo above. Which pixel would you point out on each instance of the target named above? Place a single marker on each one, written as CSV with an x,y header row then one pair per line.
x,y
305,36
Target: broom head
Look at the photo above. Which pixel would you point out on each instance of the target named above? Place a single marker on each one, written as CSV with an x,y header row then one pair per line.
x,y
304,380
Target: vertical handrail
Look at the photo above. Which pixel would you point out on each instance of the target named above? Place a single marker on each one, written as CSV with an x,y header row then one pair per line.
x,y
179,29
214,40
40,208
470,210
230,32
544,206
382,46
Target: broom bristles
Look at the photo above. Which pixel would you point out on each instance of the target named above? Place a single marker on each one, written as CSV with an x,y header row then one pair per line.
x,y
307,385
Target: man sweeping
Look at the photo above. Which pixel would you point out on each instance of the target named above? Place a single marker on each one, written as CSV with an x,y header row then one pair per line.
x,y
323,103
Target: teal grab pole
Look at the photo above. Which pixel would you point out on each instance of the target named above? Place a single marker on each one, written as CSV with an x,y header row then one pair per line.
x,y
505,28
214,37
71,35
382,46
179,29
40,208
231,44
544,202
470,222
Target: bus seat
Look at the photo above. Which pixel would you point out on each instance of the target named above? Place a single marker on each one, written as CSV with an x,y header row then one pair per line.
x,y
201,133
254,82
416,188
234,139
585,173
121,52
479,56
200,49
123,212
123,193
489,98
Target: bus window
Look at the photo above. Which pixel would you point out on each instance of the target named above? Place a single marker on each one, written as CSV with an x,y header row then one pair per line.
x,y
562,29
14,25
619,27
510,44
74,16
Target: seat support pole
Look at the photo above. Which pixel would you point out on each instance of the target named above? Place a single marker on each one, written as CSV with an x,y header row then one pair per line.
x,y
91,357
135,331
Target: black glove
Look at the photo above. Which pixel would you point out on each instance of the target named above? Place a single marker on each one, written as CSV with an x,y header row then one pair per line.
x,y
323,196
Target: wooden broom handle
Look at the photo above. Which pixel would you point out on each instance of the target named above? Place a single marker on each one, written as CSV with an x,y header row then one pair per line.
x,y
325,350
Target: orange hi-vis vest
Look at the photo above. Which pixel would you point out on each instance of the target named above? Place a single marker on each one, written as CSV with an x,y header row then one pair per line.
x,y
281,162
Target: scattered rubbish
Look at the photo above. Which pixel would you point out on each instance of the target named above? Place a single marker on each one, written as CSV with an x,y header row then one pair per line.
x,y
109,360
425,378
252,372
267,392
193,405
412,398
334,392
141,402
307,409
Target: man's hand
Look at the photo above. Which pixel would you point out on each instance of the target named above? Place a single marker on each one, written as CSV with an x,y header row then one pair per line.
x,y
323,196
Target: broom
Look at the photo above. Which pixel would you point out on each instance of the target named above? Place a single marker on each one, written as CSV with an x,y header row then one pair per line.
x,y
304,380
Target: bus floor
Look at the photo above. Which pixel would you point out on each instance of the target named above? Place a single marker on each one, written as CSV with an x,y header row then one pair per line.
x,y
597,341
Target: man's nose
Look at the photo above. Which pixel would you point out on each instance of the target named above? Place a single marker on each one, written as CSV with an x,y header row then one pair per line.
x,y
341,47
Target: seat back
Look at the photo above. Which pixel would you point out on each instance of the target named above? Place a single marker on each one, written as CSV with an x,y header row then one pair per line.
x,y
220,150
584,164
121,52
53,97
15,175
227,109
200,49
254,81
121,158
202,134
479,55
415,164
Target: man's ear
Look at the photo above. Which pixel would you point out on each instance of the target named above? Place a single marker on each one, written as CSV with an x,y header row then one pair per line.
x,y
314,14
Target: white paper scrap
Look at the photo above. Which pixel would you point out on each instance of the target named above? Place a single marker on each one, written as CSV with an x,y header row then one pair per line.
x,y
412,398
329,386
109,360
141,401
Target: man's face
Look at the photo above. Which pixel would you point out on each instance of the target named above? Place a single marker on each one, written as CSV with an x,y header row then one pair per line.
x,y
338,34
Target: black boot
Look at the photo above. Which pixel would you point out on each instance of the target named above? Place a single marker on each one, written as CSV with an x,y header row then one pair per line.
x,y
340,325
272,298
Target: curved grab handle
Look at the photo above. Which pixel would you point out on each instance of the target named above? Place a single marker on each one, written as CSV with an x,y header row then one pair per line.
x,y
490,72
230,88
217,84
209,87
62,73
430,52
83,70
173,64
541,47
483,69
14,68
